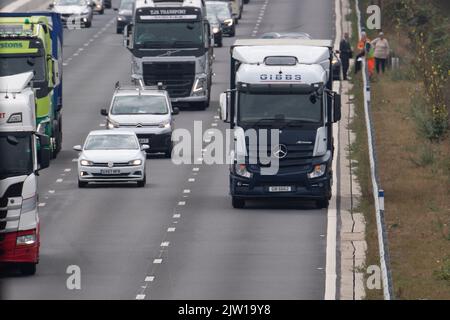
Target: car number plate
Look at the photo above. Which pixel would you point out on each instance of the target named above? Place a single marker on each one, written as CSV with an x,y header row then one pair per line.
x,y
144,140
280,189
110,171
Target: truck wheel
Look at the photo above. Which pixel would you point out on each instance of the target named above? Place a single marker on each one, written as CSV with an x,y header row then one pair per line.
x,y
322,204
238,203
82,184
27,269
141,184
88,24
102,11
220,44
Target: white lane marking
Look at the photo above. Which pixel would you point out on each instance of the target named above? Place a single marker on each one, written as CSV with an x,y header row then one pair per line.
x,y
15,5
330,264
51,191
59,180
75,54
165,244
140,297
191,180
65,64
157,261
42,204
75,160
195,169
102,125
200,159
214,124
176,215
171,229
182,203
149,278
67,170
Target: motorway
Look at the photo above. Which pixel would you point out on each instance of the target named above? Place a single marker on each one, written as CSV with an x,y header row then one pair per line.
x,y
179,237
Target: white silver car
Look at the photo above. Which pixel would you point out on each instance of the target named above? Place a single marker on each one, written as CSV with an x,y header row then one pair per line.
x,y
147,112
111,156
74,12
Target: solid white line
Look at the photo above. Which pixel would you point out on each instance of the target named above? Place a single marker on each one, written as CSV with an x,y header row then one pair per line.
x,y
15,5
330,273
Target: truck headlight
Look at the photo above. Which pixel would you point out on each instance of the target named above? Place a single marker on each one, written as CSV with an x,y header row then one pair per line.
x,y
228,22
136,162
318,171
26,239
241,170
29,204
215,30
199,86
86,163
112,124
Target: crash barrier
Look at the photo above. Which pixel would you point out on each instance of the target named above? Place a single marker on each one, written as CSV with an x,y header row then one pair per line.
x,y
378,192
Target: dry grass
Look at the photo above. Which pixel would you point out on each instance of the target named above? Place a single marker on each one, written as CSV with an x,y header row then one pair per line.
x,y
415,175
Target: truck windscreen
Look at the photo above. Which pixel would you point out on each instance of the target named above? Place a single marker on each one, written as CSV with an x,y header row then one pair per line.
x,y
10,65
169,34
16,154
294,108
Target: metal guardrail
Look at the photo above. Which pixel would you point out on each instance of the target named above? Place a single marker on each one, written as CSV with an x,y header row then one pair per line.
x,y
378,192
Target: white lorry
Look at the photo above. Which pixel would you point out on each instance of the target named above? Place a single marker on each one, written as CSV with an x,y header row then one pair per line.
x,y
23,153
284,85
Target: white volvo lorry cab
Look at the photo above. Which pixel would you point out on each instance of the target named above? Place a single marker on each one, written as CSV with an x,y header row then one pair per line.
x,y
20,163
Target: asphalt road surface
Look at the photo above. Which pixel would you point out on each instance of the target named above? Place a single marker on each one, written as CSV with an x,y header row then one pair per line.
x,y
117,234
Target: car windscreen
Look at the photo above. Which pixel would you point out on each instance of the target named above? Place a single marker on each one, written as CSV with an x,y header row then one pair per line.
x,y
126,5
10,65
70,2
136,105
169,34
289,107
219,9
111,142
16,154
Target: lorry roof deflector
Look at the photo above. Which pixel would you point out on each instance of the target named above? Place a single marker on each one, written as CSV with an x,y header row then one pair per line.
x,y
15,83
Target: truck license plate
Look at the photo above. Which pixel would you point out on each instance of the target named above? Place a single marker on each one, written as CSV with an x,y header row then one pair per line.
x,y
110,171
143,140
280,189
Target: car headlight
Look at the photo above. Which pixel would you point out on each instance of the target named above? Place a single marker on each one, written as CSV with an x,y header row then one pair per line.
x,y
26,239
199,85
120,18
215,30
164,124
228,22
86,163
112,124
318,171
335,61
29,204
241,170
136,162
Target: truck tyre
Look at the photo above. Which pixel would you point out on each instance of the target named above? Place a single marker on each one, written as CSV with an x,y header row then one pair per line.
x,y
27,269
82,184
238,203
88,24
322,204
102,11
141,184
220,44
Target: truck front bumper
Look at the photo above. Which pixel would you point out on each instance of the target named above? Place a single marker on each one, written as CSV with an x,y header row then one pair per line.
x,y
316,189
10,252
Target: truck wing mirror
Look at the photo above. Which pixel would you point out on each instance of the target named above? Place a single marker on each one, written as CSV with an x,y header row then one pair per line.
x,y
44,153
337,108
51,5
224,107
175,110
127,36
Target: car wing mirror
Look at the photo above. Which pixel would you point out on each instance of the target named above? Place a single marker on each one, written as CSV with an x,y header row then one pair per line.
x,y
77,148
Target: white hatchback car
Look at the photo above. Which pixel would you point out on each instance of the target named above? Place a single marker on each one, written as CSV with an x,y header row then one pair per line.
x,y
111,156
